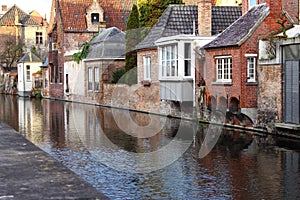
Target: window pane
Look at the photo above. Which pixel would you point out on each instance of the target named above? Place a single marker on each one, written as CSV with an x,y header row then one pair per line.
x,y
90,79
224,69
168,68
168,53
96,86
187,68
187,50
95,17
28,72
174,70
163,68
147,63
163,53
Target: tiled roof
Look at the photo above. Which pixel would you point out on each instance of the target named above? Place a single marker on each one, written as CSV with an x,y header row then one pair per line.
x,y
109,43
9,17
73,13
176,19
29,57
241,29
224,16
181,19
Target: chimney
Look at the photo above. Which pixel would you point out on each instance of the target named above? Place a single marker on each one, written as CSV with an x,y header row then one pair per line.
x,y
4,8
16,17
204,17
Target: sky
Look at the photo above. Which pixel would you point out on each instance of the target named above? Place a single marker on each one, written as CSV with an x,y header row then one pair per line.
x,y
41,6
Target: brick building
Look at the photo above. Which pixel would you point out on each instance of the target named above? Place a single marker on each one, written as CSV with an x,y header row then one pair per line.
x,y
18,26
178,32
73,23
231,59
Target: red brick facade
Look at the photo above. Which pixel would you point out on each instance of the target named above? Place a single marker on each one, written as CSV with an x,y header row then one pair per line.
x,y
240,88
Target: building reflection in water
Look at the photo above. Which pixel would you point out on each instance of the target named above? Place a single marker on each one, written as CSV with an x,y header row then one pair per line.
x,y
240,166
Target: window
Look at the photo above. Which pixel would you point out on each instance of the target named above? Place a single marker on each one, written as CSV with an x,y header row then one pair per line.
x,y
147,67
96,86
28,73
224,69
251,67
187,59
60,75
169,61
39,38
90,78
95,18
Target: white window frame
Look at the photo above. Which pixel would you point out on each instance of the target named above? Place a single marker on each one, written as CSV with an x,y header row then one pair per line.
x,y
187,60
168,55
96,79
251,76
90,79
28,73
147,67
220,60
38,38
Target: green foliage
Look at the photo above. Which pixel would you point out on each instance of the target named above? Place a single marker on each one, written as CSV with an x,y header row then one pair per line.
x,y
83,53
34,51
151,10
132,38
125,77
118,76
131,76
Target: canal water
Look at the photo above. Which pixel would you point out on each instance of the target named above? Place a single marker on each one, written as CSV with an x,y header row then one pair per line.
x,y
129,155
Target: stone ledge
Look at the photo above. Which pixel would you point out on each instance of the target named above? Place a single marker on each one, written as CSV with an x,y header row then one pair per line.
x,y
288,126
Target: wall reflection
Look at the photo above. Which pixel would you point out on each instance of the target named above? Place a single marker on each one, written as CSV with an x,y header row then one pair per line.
x,y
240,166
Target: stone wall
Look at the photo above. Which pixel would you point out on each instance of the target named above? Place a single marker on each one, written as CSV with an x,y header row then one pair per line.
x,y
136,97
270,95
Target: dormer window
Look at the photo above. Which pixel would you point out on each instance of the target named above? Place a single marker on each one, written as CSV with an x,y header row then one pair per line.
x,y
95,18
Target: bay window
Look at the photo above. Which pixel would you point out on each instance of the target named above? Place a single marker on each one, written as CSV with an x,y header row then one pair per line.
x,y
187,60
169,61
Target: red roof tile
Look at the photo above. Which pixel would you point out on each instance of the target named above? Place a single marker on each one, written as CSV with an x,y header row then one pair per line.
x,y
73,13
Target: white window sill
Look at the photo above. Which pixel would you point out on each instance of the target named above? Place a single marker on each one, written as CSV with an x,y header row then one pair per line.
x,y
222,83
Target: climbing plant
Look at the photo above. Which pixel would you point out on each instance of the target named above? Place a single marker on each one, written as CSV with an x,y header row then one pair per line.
x,y
82,54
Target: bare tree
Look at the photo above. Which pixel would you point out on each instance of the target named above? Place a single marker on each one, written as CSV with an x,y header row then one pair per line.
x,y
11,52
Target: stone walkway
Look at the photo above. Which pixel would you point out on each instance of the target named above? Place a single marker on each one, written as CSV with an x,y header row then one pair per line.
x,y
27,172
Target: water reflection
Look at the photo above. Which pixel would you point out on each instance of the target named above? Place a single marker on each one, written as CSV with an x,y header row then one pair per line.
x,y
240,166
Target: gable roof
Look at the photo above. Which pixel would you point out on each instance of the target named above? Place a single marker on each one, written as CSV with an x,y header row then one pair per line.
x,y
175,20
109,43
29,57
73,13
238,32
9,17
183,19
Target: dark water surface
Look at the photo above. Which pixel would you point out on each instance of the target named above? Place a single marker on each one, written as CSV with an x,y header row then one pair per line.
x,y
160,160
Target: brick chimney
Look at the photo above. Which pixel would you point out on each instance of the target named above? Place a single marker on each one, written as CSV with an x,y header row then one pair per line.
x,y
204,17
4,8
